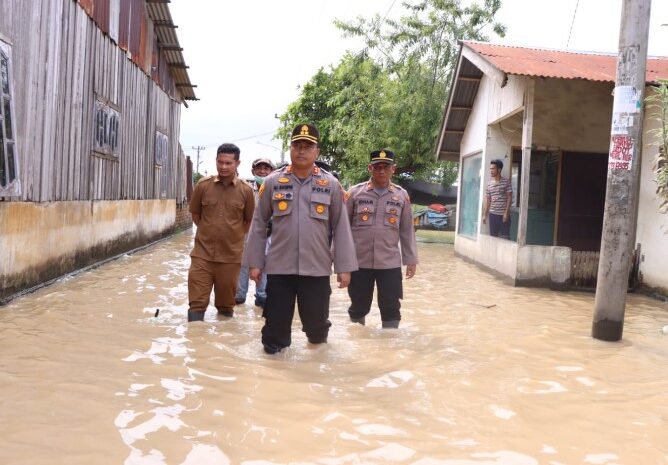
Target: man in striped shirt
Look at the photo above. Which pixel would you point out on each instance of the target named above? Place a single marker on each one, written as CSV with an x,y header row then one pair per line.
x,y
498,198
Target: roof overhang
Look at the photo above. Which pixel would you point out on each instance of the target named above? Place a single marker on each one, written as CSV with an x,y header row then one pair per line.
x,y
463,90
168,42
496,62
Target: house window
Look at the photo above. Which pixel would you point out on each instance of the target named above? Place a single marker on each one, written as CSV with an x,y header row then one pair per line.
x,y
469,212
106,127
9,176
161,148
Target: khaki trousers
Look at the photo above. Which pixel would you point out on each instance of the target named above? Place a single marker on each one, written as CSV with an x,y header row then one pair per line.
x,y
204,275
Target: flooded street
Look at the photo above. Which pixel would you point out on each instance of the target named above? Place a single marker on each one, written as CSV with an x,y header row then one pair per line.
x,y
479,373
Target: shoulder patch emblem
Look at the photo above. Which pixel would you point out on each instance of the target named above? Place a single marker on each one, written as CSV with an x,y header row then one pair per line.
x,y
284,180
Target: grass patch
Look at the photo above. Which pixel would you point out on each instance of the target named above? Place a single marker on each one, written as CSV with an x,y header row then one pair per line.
x,y
428,235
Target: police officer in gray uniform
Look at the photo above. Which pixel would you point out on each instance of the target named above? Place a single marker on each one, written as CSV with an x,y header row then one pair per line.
x,y
381,218
306,206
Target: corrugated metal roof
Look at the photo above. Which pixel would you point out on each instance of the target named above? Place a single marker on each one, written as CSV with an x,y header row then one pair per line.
x,y
560,63
166,64
525,61
165,30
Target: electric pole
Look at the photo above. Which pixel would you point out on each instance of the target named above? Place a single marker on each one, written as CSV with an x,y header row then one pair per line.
x,y
623,171
198,148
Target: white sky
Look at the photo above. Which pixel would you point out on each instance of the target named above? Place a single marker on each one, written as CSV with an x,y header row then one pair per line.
x,y
248,57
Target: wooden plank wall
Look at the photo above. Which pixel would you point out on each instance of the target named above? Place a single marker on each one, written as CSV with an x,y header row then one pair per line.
x,y
61,64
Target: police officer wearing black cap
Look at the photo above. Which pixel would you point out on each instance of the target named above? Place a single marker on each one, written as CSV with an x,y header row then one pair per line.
x,y
381,219
306,206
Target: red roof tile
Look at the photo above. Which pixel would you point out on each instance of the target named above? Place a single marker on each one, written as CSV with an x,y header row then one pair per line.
x,y
560,64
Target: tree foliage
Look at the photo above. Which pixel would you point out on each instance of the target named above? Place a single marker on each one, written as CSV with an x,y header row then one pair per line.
x,y
658,101
392,92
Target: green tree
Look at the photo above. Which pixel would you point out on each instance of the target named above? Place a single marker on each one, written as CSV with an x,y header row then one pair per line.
x,y
196,177
658,102
391,94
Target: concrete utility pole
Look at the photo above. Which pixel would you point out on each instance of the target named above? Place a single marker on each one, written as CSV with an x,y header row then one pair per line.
x,y
623,171
198,148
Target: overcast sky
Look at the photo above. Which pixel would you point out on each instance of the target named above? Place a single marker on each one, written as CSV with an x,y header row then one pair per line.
x,y
248,57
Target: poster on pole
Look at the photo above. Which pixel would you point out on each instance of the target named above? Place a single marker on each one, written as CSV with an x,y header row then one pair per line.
x,y
625,107
621,152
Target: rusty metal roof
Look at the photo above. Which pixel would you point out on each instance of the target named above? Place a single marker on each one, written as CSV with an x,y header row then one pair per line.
x,y
478,58
165,30
560,64
166,65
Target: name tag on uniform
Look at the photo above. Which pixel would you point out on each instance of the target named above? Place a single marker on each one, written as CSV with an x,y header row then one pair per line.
x,y
284,187
322,190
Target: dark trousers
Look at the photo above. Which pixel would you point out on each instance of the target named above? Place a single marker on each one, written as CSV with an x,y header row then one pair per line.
x,y
312,296
390,291
497,227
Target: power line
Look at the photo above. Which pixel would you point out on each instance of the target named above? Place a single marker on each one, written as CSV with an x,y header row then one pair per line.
x,y
572,22
215,144
252,137
388,10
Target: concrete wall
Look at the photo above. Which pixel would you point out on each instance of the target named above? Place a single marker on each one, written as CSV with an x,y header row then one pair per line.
x,y
507,100
498,255
652,228
543,266
573,114
473,139
525,266
41,241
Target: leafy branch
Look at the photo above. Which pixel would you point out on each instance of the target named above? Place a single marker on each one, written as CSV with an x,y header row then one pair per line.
x,y
658,101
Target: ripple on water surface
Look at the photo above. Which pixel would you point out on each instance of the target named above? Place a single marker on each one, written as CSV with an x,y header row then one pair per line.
x,y
478,373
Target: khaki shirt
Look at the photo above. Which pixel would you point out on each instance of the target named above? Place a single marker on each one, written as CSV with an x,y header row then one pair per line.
x,y
379,224
305,215
225,210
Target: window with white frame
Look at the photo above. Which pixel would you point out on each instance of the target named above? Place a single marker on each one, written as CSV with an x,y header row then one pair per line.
x,y
9,170
106,128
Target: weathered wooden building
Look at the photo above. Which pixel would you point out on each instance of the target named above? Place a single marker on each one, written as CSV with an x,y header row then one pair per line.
x,y
90,162
550,110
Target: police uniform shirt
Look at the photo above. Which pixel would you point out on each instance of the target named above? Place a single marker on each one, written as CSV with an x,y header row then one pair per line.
x,y
303,213
224,209
379,223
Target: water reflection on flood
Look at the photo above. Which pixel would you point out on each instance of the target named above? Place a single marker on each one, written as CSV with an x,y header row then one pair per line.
x,y
479,373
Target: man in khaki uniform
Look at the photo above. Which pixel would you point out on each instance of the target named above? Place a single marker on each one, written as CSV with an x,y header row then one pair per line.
x,y
222,208
381,218
306,206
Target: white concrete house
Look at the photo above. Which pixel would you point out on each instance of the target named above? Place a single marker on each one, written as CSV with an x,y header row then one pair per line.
x,y
557,105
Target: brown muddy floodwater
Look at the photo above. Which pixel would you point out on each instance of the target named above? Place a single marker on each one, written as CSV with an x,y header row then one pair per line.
x,y
480,373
